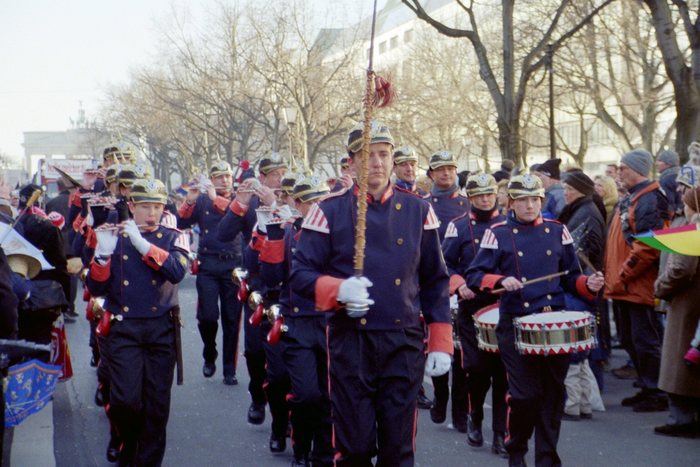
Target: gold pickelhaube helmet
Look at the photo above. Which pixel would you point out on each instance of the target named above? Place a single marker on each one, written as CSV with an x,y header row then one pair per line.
x,y
440,159
481,184
522,186
272,162
405,154
148,191
378,133
309,189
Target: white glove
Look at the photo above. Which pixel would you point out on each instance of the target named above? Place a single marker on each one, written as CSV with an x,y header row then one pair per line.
x,y
354,290
89,220
141,244
437,363
106,242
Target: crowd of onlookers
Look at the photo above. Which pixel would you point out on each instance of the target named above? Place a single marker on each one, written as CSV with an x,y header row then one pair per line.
x,y
649,294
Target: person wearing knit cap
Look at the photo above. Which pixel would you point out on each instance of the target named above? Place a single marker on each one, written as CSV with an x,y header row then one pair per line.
x,y
504,173
586,223
630,271
549,173
667,169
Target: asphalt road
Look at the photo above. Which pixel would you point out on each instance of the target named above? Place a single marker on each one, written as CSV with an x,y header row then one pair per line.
x,y
208,421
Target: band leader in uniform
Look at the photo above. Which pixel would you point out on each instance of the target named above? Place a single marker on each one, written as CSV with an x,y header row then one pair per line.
x,y
376,357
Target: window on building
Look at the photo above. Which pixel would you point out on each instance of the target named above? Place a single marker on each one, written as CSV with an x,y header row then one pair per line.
x,y
394,42
408,36
382,47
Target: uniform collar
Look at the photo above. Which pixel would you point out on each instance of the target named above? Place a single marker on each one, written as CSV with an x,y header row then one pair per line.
x,y
388,193
513,219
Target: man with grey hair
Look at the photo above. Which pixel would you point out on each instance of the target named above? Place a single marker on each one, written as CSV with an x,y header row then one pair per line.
x,y
630,271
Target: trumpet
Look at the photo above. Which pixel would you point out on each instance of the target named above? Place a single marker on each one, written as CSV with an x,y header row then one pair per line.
x,y
239,276
256,303
274,315
104,228
95,201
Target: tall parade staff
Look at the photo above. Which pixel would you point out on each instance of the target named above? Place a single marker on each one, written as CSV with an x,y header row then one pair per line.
x,y
216,262
448,203
304,340
511,253
241,218
375,339
483,369
137,267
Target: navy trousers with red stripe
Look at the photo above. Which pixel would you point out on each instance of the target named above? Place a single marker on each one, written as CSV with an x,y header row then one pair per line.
x,y
536,395
375,377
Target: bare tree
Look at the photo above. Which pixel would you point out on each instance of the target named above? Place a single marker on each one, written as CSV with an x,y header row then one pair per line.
x,y
540,26
683,69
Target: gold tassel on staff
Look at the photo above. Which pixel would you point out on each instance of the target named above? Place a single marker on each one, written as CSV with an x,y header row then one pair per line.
x,y
380,93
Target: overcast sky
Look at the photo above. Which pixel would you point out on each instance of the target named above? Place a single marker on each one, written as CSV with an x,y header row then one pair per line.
x,y
55,54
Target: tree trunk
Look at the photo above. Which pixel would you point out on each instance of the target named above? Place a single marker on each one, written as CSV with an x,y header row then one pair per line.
x,y
687,116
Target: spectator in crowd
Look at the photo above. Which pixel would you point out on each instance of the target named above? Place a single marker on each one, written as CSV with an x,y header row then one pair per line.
x,y
630,271
679,283
587,226
549,173
667,169
502,196
506,170
612,171
606,187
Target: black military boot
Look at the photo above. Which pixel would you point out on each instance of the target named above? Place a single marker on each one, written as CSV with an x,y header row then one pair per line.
x,y
256,413
499,444
277,443
474,436
113,448
438,412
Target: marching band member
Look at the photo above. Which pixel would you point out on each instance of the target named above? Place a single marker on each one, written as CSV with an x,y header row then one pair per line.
x,y
137,270
460,246
241,218
523,247
405,166
445,197
216,261
376,355
304,341
448,203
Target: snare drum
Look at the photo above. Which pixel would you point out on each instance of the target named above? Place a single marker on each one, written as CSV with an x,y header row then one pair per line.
x,y
486,320
555,333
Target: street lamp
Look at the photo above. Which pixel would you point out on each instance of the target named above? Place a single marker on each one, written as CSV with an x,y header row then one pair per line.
x,y
290,115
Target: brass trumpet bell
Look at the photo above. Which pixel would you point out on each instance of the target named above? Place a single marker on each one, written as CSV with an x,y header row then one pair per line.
x,y
98,307
239,275
273,312
83,275
255,299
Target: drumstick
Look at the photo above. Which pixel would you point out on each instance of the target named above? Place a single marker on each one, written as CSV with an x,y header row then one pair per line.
x,y
584,259
537,279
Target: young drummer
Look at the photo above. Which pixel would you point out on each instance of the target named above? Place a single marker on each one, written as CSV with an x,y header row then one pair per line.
x,y
522,248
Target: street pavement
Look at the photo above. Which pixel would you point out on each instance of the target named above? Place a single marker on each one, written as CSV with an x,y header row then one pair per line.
x,y
208,422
